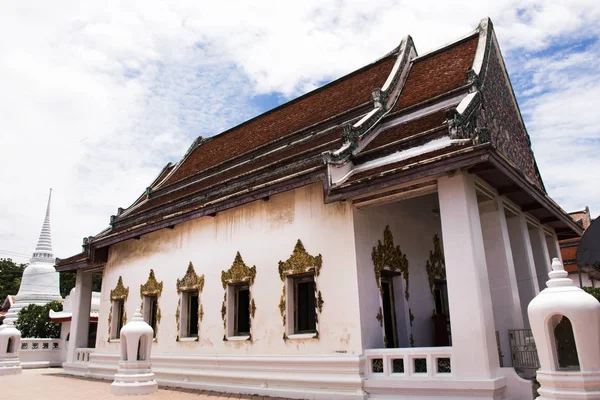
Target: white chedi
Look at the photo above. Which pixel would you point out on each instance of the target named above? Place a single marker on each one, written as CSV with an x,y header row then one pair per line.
x,y
134,375
40,281
562,303
10,343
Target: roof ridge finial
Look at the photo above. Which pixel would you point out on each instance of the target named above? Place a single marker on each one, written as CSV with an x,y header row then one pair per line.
x,y
43,250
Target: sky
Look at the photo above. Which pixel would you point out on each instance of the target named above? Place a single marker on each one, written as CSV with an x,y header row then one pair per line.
x,y
96,97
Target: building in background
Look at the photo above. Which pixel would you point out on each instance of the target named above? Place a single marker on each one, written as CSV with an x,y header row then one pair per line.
x,y
588,275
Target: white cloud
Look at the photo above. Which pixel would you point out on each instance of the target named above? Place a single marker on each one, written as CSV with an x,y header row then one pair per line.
x,y
97,97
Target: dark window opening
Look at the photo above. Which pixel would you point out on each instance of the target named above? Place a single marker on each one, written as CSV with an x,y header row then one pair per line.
x,y
304,305
441,318
389,312
152,310
566,350
192,320
242,311
120,306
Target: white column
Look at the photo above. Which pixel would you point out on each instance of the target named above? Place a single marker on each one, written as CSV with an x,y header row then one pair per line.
x,y
540,255
474,348
553,246
501,272
80,321
523,261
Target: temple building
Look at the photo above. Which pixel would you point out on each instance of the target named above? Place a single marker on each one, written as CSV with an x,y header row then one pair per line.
x,y
40,281
377,237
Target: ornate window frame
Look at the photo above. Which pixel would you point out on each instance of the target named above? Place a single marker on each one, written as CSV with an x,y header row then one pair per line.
x,y
388,257
436,265
191,282
152,287
119,293
238,273
300,263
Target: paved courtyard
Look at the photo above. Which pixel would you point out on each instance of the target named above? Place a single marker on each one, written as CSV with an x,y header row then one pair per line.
x,y
51,384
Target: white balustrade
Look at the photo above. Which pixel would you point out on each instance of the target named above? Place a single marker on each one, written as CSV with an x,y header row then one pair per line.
x,y
82,355
40,353
409,363
37,344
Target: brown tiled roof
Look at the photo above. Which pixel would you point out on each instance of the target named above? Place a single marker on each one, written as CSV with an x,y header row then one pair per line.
x,y
288,142
438,73
333,99
407,129
394,166
71,260
329,141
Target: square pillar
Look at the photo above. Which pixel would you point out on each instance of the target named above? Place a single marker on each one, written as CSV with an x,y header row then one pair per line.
x,y
523,261
504,289
80,320
474,350
553,245
541,255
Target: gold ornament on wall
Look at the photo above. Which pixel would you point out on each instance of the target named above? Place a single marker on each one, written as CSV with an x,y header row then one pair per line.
x,y
435,266
120,292
388,257
239,272
190,282
379,317
300,262
152,287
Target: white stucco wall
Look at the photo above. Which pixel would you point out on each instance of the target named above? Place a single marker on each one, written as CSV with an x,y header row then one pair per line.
x,y
413,226
264,232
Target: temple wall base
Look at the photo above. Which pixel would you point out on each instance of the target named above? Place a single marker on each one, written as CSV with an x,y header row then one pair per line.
x,y
568,385
309,377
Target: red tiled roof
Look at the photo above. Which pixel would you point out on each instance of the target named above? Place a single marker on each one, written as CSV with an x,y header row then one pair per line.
x,y
438,73
331,100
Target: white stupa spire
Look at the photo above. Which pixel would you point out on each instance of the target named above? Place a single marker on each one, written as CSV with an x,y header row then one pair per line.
x,y
43,250
40,281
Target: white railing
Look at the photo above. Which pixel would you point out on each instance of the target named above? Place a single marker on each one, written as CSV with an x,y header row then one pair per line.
x,y
82,355
415,363
36,344
40,353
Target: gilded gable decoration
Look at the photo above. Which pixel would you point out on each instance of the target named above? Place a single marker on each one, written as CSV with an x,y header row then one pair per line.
x,y
190,282
435,266
120,292
300,262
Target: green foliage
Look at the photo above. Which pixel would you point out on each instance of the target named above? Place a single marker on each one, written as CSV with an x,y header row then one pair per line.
x,y
34,321
593,291
67,282
10,277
